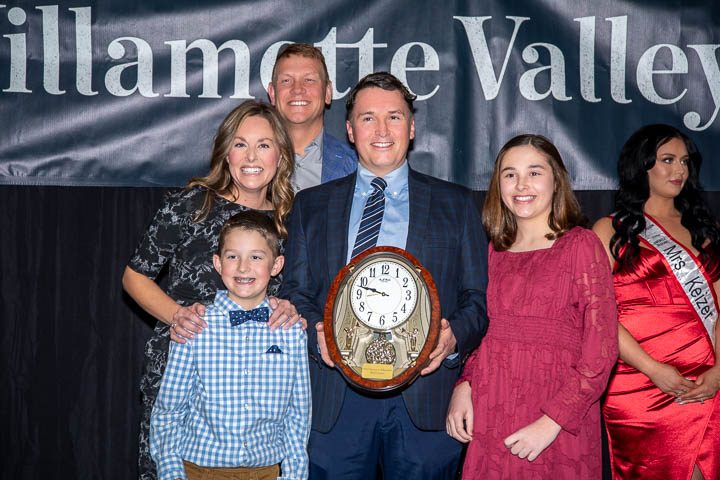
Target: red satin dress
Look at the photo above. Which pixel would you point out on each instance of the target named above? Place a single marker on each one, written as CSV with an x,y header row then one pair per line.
x,y
651,436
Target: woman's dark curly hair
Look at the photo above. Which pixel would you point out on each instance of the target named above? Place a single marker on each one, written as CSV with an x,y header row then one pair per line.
x,y
637,156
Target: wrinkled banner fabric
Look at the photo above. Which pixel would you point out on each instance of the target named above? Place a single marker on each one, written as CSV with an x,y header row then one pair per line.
x,y
118,93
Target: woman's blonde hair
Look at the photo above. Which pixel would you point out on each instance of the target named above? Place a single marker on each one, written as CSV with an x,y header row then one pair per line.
x,y
499,221
218,181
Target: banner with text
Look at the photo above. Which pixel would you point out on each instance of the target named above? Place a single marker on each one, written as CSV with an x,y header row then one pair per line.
x,y
130,93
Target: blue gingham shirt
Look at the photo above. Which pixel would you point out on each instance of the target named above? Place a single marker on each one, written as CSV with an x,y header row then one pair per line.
x,y
227,401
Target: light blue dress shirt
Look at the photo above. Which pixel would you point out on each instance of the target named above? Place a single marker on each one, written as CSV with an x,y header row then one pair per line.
x,y
234,396
308,166
394,228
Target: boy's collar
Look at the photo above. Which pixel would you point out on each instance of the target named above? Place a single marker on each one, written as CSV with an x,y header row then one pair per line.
x,y
224,304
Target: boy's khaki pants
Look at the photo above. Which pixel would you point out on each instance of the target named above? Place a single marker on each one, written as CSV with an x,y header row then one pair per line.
x,y
195,472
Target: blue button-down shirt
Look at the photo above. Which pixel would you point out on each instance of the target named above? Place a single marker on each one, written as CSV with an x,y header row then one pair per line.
x,y
234,397
308,166
394,228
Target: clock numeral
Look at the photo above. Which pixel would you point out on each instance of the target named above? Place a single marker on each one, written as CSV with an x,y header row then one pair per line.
x,y
408,294
369,316
397,272
405,282
395,318
358,294
382,320
363,281
385,269
403,309
362,306
372,272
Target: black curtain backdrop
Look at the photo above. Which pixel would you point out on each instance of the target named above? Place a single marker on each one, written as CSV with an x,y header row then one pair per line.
x,y
71,341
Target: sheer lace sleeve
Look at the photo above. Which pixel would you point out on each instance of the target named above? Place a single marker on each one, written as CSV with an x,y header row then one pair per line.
x,y
161,238
594,305
469,368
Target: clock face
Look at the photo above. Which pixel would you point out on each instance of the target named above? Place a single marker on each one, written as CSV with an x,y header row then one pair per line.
x,y
383,294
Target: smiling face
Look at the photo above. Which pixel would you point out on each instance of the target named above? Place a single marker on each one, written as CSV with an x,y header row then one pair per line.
x,y
381,126
253,158
667,177
527,184
300,91
246,264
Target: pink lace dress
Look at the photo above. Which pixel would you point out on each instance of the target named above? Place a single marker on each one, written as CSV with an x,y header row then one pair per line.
x,y
550,347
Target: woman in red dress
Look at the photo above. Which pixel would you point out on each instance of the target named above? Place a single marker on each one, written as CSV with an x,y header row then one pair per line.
x,y
528,399
661,410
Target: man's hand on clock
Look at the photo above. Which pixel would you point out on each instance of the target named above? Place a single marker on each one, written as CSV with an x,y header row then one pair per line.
x,y
322,345
446,345
374,290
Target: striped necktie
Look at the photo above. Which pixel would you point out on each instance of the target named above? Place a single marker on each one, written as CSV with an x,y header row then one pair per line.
x,y
371,218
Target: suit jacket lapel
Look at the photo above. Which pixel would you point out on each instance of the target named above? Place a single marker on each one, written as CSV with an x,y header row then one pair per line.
x,y
338,215
328,159
419,197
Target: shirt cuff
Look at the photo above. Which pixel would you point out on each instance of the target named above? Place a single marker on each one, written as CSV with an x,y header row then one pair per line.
x,y
564,417
171,468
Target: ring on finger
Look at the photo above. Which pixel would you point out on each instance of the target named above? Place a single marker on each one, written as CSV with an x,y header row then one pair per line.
x,y
173,325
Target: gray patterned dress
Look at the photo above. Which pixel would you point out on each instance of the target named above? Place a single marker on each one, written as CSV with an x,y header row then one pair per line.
x,y
186,247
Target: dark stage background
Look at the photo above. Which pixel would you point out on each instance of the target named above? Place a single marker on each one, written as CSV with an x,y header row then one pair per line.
x,y
104,104
71,342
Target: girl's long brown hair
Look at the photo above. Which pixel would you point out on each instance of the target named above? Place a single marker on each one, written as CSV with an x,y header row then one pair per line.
x,y
499,221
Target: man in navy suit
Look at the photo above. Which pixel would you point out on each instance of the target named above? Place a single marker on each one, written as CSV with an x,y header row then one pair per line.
x,y
355,434
300,90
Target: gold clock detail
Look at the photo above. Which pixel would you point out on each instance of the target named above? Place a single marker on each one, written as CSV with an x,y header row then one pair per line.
x,y
382,319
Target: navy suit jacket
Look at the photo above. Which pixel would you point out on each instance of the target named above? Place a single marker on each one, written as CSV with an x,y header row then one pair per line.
x,y
338,159
444,234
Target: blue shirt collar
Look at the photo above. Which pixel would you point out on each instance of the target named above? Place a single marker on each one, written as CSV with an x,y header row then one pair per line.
x,y
224,304
397,180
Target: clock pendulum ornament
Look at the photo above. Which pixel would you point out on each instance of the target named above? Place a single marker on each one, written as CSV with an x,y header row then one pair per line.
x,y
382,319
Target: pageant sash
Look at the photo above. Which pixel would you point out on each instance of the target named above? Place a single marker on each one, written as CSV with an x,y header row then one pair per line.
x,y
684,265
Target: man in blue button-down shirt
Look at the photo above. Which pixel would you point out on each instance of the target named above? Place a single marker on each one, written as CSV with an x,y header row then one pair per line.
x,y
238,395
403,435
301,89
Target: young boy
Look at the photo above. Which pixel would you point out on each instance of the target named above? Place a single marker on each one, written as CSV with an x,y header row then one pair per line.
x,y
235,400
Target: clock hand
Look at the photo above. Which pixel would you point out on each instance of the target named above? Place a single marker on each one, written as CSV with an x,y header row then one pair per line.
x,y
375,290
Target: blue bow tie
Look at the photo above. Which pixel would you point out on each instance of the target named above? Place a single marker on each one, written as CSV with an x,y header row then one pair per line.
x,y
238,317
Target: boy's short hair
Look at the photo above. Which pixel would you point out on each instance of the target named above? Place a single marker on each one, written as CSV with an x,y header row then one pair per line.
x,y
255,221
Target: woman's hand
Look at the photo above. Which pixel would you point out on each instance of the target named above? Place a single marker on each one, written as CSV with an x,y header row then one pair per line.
x,y
187,322
531,440
459,422
668,379
284,314
707,385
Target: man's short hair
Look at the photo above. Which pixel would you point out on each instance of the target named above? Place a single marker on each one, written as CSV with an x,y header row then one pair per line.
x,y
383,80
254,221
303,50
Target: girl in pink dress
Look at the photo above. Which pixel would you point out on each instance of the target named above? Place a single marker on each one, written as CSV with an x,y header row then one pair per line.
x,y
528,399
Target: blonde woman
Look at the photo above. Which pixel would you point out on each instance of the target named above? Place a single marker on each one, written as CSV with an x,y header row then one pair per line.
x,y
250,168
